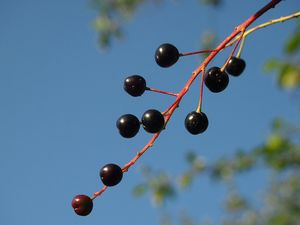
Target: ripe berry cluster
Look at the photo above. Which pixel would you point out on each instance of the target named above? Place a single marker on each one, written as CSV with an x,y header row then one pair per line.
x,y
215,78
153,121
196,122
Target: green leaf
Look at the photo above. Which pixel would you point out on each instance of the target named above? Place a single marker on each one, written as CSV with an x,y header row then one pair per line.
x,y
288,73
161,188
271,65
293,44
198,165
289,76
243,162
208,41
139,190
185,180
274,143
235,202
191,157
213,3
277,124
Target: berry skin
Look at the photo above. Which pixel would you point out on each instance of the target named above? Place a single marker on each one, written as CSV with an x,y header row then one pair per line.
x,y
111,174
128,125
235,66
153,121
166,55
82,205
196,122
135,85
216,80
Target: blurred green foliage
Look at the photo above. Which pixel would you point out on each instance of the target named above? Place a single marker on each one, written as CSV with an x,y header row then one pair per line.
x,y
279,154
288,68
208,40
113,14
214,3
159,185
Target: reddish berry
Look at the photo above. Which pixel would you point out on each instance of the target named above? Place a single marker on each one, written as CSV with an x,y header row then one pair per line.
x,y
82,205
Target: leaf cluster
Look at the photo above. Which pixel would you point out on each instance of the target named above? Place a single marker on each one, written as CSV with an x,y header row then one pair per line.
x,y
279,154
113,14
288,68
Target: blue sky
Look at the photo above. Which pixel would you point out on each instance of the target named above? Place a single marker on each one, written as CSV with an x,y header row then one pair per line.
x,y
60,97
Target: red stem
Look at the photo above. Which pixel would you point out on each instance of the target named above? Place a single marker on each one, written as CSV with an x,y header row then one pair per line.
x,y
98,193
162,92
197,52
196,72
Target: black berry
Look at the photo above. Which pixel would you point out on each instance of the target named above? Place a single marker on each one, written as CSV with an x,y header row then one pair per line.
x,y
153,121
196,122
111,174
166,55
235,66
82,205
135,85
216,80
128,125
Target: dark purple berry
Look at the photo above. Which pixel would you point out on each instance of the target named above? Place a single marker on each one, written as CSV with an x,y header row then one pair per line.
x,y
135,85
196,122
111,174
216,80
153,121
166,55
128,125
82,205
235,66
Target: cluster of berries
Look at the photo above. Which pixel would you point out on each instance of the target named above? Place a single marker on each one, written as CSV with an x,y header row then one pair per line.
x,y
216,80
153,121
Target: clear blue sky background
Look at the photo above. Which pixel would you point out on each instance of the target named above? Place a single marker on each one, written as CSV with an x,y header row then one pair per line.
x,y
60,97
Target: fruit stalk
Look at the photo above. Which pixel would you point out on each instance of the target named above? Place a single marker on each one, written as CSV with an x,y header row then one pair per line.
x,y
98,193
233,50
162,92
197,52
266,24
201,92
